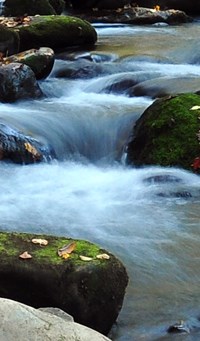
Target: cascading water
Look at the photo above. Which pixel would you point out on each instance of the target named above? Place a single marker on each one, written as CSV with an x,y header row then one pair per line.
x,y
152,226
2,2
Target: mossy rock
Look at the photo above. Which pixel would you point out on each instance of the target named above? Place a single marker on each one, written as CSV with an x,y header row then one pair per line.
x,y
29,7
9,41
56,32
40,61
91,291
167,133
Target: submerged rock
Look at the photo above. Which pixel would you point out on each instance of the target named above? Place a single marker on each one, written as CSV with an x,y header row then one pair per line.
x,y
167,134
21,322
89,287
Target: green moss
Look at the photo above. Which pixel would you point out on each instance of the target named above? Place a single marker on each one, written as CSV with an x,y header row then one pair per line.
x,y
16,243
56,32
166,134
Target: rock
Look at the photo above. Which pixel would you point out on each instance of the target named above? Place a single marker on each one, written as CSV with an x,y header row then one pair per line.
x,y
58,5
92,291
167,133
19,148
101,4
9,41
136,16
58,312
180,327
81,68
21,322
165,86
190,7
17,81
17,8
55,32
40,61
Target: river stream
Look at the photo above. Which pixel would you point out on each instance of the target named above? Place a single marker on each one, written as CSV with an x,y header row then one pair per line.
x,y
89,192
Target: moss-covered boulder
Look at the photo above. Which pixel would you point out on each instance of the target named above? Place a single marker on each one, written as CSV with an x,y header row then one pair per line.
x,y
40,61
9,41
91,289
27,7
168,133
56,32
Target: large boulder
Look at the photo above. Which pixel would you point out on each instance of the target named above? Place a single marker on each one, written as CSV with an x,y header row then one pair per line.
x,y
55,32
190,7
168,134
40,61
17,81
136,16
85,281
9,41
21,322
19,148
27,7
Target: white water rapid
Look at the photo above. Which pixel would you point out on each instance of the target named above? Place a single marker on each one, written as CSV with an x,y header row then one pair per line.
x,y
89,193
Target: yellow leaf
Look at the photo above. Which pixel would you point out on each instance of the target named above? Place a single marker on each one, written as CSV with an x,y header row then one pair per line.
x,y
103,256
31,149
85,259
65,255
41,242
69,248
25,255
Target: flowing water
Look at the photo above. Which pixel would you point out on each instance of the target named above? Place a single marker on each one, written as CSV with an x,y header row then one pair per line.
x,y
89,193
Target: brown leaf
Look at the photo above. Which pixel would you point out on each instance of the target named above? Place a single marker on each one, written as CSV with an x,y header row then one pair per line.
x,y
25,255
41,242
67,249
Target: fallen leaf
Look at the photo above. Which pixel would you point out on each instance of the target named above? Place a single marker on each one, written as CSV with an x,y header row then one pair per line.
x,y
195,107
65,255
103,256
41,242
31,149
67,249
85,259
25,255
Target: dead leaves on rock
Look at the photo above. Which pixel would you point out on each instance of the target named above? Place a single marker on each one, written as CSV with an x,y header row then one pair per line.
x,y
41,242
32,150
63,252
11,22
25,255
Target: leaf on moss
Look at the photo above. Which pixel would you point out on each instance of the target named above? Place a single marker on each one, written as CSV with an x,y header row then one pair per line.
x,y
25,255
41,242
195,107
103,256
66,250
196,163
85,259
